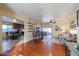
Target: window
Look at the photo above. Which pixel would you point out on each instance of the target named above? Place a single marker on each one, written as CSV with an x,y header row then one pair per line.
x,y
6,28
73,31
9,28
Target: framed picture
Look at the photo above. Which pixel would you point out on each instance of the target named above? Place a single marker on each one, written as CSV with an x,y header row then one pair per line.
x,y
77,17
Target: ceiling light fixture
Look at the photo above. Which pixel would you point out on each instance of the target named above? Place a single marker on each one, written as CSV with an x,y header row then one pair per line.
x,y
52,21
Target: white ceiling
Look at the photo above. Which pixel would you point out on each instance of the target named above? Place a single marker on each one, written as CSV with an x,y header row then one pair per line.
x,y
45,11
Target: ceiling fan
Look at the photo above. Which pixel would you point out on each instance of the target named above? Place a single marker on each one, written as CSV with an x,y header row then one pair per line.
x,y
52,21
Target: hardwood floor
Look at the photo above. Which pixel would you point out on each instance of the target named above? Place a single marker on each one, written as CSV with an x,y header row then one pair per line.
x,y
41,48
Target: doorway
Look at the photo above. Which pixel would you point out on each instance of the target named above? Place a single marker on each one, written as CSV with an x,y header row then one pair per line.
x,y
47,30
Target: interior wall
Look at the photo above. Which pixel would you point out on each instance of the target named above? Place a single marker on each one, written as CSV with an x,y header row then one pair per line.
x,y
27,35
77,34
5,12
0,34
54,33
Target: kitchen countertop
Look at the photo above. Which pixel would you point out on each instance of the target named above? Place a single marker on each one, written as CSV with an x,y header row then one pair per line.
x,y
73,50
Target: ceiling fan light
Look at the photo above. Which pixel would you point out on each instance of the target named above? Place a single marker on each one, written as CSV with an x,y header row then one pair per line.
x,y
50,21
